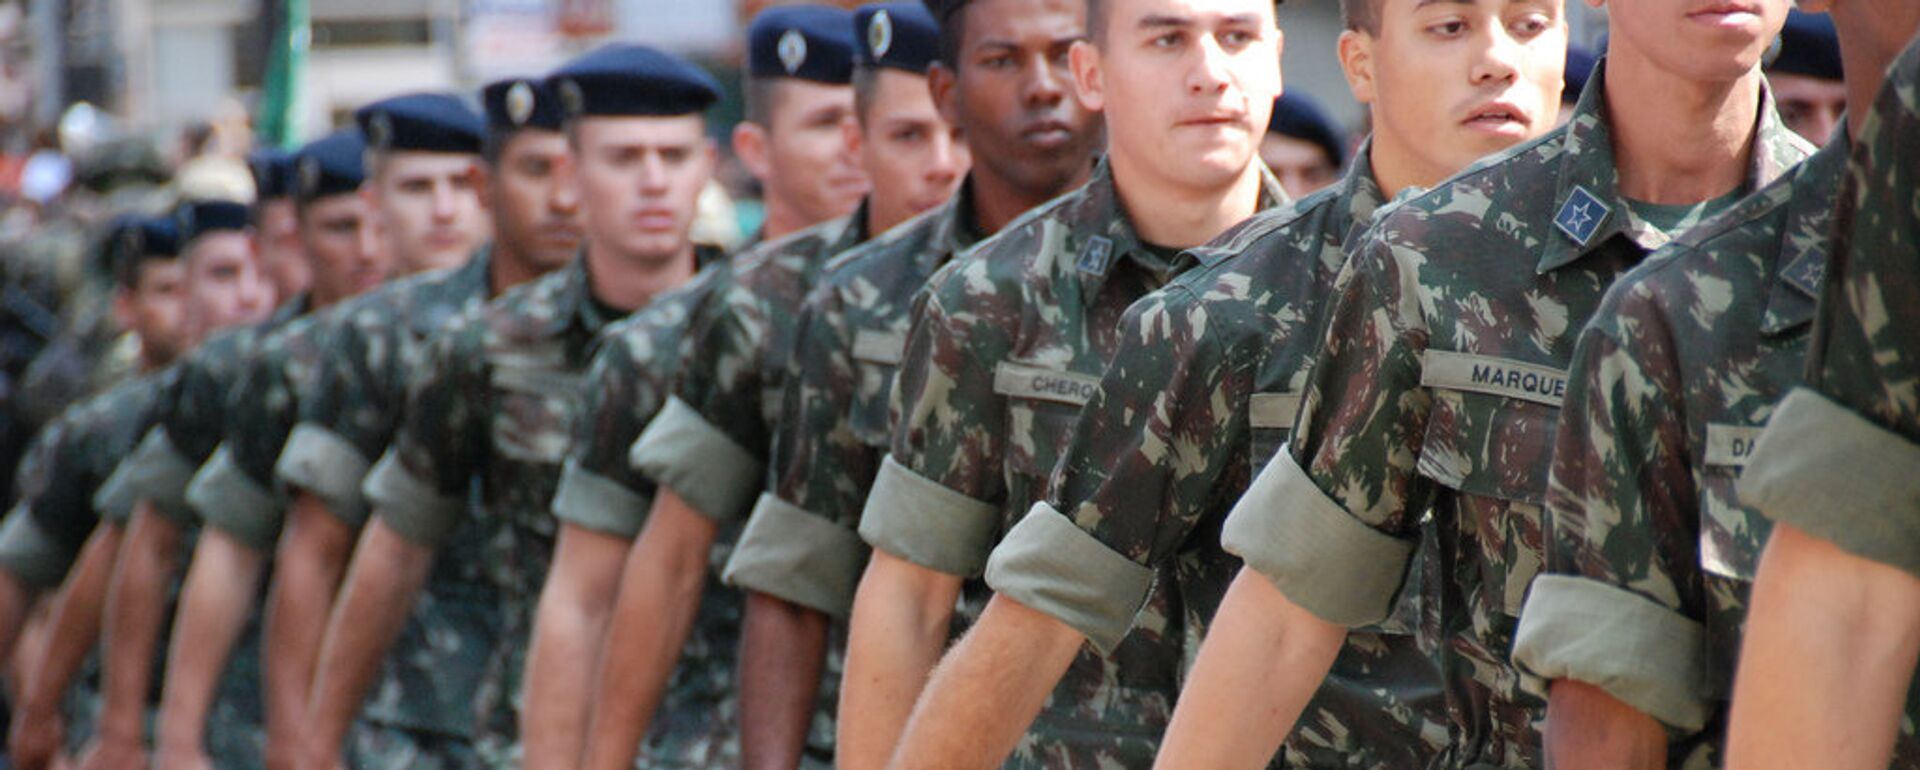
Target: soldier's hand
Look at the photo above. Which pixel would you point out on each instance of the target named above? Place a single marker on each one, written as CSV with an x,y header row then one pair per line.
x,y
35,739
170,758
110,753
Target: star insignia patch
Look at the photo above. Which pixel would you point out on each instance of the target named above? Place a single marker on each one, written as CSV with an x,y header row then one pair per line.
x,y
1581,216
1096,256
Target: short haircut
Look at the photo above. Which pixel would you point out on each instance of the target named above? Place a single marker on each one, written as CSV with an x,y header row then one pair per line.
x,y
762,97
1361,15
951,39
866,78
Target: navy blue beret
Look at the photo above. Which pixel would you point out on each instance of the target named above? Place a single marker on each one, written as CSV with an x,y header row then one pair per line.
x,y
517,103
331,165
1580,64
627,79
809,42
1808,46
901,35
137,237
425,122
272,172
1297,115
196,218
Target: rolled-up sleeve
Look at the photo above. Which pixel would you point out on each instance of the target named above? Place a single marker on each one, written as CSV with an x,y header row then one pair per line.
x,y
1833,474
683,452
327,465
801,557
231,501
1638,651
1047,563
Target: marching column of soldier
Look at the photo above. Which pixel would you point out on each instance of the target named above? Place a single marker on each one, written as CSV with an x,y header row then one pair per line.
x,y
1575,422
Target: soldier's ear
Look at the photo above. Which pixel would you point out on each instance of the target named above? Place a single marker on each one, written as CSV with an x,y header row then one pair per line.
x,y
750,146
941,84
1089,75
1356,62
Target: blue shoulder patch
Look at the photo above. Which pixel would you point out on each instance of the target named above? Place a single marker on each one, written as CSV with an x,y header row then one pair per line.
x,y
1581,216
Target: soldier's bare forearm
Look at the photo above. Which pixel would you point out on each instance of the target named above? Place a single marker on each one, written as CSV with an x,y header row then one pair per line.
x,y
1830,648
382,582
221,584
1262,661
783,650
660,589
1589,729
568,629
899,628
136,612
74,626
988,689
309,561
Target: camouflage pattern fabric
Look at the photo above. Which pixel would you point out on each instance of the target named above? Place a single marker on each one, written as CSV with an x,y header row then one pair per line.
x,y
63,470
1201,393
1671,384
1837,458
1432,407
801,542
697,723
1007,342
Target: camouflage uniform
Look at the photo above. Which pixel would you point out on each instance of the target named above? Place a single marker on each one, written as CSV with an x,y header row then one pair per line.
x,y
487,413
710,441
1007,342
1838,458
347,415
1438,388
1201,393
801,543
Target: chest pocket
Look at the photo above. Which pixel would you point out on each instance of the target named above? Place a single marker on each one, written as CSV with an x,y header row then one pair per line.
x,y
1731,536
1490,436
1270,421
1042,405
876,357
536,398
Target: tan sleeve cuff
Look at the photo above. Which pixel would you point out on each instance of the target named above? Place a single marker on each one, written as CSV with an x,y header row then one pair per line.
x,y
159,473
683,452
1838,476
1048,563
798,556
915,518
1325,560
590,500
410,505
234,503
114,499
328,466
31,554
1646,655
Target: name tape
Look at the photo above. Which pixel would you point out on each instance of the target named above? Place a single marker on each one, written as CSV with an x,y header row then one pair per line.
x,y
1731,445
1025,381
1493,376
1273,410
879,347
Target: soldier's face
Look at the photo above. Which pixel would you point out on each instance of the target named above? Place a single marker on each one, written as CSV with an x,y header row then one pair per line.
x,y
913,157
640,180
346,258
224,284
1187,86
429,208
1450,82
810,165
1012,92
280,250
1702,40
1810,106
1301,166
155,309
536,207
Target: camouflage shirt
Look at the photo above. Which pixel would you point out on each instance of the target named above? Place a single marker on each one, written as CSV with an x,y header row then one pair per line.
x,y
709,443
64,468
801,542
349,415
1438,389
1007,342
1201,393
697,723
1837,458
487,412
190,417
1671,384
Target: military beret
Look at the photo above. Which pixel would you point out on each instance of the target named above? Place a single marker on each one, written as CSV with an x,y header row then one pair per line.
x,y
331,165
942,10
627,79
1297,115
196,218
1808,46
423,122
809,42
901,35
1580,64
272,173
517,103
149,237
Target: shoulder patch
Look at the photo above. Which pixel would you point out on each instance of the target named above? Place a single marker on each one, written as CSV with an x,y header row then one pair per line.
x,y
1096,256
1581,215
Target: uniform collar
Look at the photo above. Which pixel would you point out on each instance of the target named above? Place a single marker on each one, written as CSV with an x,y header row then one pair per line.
x,y
473,279
1588,207
1097,251
1806,238
1362,195
956,227
293,308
